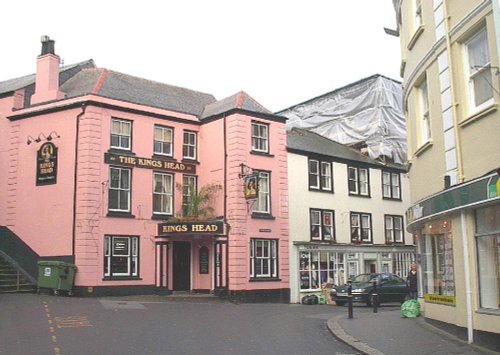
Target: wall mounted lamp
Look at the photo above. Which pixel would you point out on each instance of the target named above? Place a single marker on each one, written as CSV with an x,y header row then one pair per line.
x,y
42,137
53,135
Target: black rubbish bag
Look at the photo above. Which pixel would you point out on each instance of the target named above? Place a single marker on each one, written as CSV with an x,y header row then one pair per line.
x,y
310,299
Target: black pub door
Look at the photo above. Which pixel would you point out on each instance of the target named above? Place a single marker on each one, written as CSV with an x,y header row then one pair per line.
x,y
182,266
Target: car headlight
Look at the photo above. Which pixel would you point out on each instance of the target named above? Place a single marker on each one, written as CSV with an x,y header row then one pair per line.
x,y
334,290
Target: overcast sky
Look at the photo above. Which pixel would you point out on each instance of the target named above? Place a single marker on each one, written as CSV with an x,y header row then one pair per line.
x,y
280,52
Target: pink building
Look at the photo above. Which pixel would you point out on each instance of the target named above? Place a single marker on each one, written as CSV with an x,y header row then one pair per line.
x,y
97,163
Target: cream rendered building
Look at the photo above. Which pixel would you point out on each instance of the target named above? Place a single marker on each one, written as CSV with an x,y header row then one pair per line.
x,y
450,70
346,214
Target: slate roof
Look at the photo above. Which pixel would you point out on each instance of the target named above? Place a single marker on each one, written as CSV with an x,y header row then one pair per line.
x,y
85,78
128,88
305,141
65,73
240,100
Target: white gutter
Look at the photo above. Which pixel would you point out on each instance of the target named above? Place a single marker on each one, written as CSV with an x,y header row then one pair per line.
x,y
468,291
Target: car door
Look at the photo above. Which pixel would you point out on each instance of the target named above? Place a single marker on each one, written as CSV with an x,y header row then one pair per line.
x,y
393,288
383,288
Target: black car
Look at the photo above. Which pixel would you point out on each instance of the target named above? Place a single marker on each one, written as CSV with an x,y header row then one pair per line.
x,y
389,287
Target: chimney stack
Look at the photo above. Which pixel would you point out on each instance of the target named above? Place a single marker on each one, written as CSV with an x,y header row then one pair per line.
x,y
47,74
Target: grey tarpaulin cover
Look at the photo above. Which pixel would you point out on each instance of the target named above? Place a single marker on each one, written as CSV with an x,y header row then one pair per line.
x,y
367,111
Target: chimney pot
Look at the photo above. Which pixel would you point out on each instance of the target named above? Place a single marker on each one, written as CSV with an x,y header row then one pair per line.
x,y
48,45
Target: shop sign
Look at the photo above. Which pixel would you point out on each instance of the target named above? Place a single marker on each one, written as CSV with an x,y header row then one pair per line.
x,y
440,299
46,164
493,187
212,228
460,196
148,163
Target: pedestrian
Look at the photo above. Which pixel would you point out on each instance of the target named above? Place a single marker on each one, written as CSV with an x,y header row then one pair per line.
x,y
411,280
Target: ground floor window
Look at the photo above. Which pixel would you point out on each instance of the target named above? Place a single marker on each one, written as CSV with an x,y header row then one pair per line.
x,y
320,267
263,258
121,256
488,254
437,264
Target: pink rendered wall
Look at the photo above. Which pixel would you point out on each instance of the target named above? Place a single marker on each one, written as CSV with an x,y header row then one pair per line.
x,y
211,154
92,200
243,226
41,215
5,151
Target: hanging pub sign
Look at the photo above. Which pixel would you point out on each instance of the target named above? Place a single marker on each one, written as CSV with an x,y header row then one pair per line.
x,y
46,164
177,228
251,187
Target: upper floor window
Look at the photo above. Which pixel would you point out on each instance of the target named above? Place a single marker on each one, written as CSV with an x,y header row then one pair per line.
x,y
189,148
162,193
320,175
260,137
163,139
359,181
361,227
417,14
391,185
121,256
478,70
263,202
263,258
121,134
189,188
119,189
322,225
423,113
393,229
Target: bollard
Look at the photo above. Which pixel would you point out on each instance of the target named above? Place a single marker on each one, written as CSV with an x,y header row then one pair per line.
x,y
375,297
349,299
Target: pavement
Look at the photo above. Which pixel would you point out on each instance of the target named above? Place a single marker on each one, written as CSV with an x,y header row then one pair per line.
x,y
386,332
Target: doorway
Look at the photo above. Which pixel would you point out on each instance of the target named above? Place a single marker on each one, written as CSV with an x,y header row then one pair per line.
x,y
181,266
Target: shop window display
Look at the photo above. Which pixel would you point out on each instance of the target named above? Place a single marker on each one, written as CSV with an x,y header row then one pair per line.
x,y
488,254
437,263
319,268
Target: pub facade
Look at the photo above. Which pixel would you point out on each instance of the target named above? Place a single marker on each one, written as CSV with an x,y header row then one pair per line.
x,y
142,185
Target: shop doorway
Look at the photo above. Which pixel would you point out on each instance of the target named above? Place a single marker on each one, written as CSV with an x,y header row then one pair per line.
x,y
181,266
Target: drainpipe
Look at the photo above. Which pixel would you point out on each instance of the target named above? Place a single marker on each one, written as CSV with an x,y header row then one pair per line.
x,y
454,103
461,178
75,178
225,198
468,291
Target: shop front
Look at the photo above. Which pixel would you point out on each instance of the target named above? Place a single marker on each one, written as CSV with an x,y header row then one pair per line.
x,y
320,266
191,257
457,232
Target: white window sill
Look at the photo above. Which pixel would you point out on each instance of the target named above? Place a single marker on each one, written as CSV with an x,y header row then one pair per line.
x,y
415,37
424,147
485,111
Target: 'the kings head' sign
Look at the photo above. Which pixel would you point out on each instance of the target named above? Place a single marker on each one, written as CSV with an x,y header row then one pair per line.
x,y
46,164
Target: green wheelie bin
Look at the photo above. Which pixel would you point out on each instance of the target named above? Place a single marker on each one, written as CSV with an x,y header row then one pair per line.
x,y
56,275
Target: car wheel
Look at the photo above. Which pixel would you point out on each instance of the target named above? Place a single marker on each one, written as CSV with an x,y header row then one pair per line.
x,y
339,303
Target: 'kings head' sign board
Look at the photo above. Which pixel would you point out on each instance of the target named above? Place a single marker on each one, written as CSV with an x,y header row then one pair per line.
x,y
46,164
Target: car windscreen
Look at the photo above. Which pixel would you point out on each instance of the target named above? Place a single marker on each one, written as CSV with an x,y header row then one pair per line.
x,y
364,278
